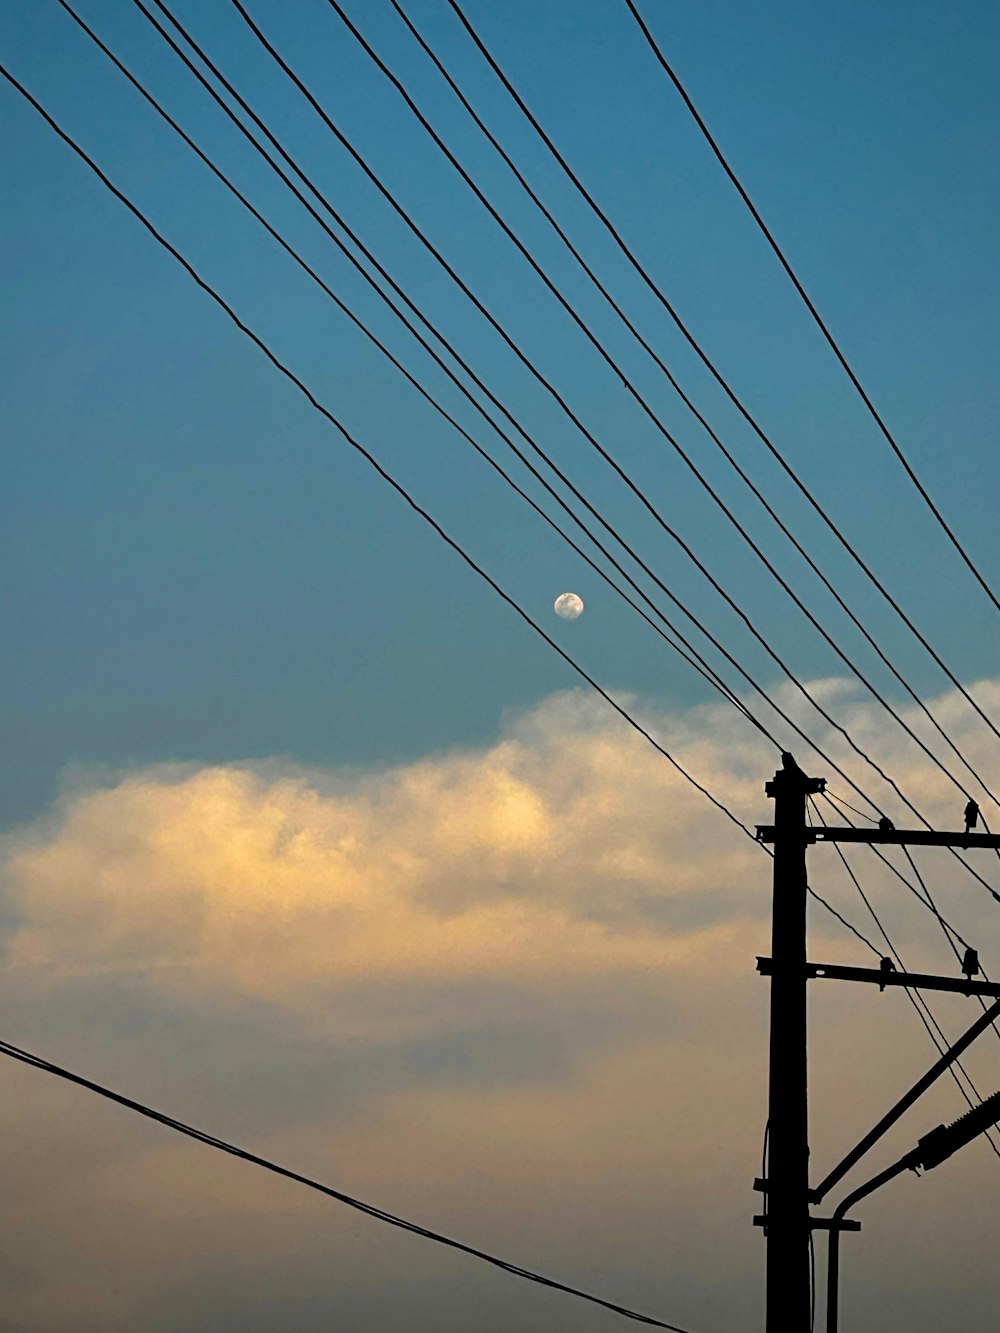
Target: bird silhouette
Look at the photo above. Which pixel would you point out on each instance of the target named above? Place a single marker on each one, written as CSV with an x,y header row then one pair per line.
x,y
970,963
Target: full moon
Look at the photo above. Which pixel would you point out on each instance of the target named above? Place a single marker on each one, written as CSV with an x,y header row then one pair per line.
x,y
568,606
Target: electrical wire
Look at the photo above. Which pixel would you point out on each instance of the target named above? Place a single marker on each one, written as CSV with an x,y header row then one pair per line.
x,y
810,306
275,55
953,850
378,1214
360,448
312,273
947,933
946,925
480,384
836,802
387,194
724,689
843,921
299,384
618,371
699,661
945,929
716,374
833,911
854,809
692,657
217,73
926,900
689,404
919,1003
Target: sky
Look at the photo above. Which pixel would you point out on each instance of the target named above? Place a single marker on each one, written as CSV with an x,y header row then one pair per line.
x,y
307,837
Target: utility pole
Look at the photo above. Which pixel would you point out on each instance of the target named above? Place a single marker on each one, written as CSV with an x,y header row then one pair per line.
x,y
787,1183
786,1218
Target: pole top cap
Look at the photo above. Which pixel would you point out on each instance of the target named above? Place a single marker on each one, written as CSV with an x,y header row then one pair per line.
x,y
790,778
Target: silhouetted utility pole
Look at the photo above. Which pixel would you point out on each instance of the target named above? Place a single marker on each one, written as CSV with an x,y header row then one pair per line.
x,y
787,1184
786,1219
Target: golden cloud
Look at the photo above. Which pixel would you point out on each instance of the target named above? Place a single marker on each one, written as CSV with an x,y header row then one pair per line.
x,y
543,855
516,997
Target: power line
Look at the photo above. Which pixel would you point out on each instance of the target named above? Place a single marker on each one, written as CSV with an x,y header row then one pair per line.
x,y
715,680
379,1214
854,785
599,347
836,802
924,901
820,323
437,334
945,929
924,897
919,1003
424,240
693,658
843,921
922,894
689,404
947,934
360,448
854,809
710,673
713,370
556,395
833,912
727,693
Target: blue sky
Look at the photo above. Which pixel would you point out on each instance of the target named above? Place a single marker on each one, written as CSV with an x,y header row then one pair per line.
x,y
201,568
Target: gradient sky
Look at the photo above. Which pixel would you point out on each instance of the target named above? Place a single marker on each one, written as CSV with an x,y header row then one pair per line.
x,y
203,580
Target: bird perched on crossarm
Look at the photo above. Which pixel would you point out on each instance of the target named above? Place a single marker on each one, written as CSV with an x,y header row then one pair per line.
x,y
971,816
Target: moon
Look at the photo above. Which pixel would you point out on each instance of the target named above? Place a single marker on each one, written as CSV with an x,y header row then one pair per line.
x,y
568,606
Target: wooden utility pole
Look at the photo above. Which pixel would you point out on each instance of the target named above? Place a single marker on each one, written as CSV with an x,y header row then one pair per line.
x,y
787,1183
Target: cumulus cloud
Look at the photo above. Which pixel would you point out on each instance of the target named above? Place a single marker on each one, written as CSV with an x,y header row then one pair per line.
x,y
564,849
513,977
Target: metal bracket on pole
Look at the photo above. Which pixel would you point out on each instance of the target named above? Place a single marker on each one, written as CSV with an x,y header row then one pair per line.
x,y
819,1223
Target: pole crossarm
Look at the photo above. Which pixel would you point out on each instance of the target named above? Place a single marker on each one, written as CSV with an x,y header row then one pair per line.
x,y
896,837
817,1223
875,976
